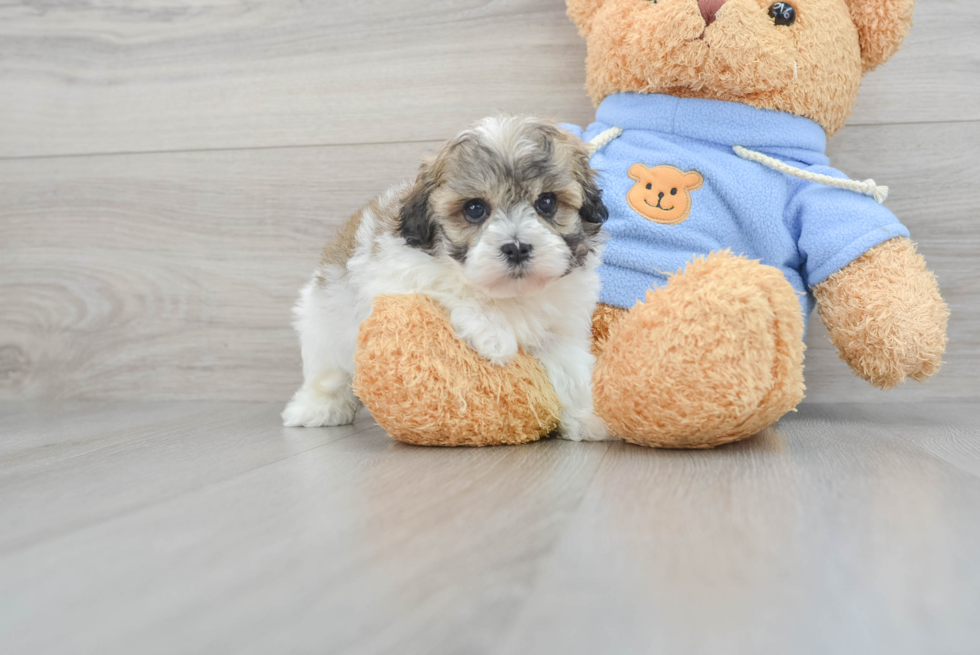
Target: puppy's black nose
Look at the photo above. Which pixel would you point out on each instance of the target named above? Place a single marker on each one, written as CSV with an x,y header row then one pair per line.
x,y
516,253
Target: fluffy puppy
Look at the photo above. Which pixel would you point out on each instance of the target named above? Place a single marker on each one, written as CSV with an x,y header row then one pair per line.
x,y
501,228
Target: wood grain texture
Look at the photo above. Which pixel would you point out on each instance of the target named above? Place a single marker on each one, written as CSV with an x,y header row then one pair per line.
x,y
121,457
208,528
148,77
949,431
355,544
122,77
824,535
171,276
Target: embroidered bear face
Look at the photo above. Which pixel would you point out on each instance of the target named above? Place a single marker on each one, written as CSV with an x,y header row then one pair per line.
x,y
662,194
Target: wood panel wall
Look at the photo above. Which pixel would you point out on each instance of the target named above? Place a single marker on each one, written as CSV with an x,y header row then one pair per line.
x,y
169,171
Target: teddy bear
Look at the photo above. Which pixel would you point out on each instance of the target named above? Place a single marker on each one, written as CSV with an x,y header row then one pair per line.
x,y
727,227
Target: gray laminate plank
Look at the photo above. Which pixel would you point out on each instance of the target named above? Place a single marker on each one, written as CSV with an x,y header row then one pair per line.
x,y
64,477
109,79
154,272
43,431
362,545
887,93
83,77
949,431
823,535
160,277
837,531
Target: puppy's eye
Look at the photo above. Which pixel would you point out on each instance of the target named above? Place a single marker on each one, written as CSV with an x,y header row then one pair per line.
x,y
476,210
546,205
783,13
673,192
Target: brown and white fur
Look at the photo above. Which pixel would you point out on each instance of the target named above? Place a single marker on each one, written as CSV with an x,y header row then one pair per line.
x,y
521,274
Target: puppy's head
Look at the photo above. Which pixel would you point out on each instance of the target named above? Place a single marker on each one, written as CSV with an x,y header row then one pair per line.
x,y
513,201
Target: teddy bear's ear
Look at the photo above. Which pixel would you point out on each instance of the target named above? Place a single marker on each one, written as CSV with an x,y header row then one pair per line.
x,y
636,171
581,12
882,26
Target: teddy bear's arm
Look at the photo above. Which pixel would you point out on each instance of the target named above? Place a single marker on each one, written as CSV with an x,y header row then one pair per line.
x,y
885,314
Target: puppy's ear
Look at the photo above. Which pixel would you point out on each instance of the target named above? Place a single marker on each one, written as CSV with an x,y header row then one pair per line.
x,y
593,209
882,26
415,221
582,12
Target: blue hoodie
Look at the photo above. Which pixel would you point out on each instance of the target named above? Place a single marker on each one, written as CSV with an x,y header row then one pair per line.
x,y
807,230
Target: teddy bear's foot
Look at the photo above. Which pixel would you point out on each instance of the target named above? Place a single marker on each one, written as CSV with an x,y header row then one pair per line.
x,y
713,356
426,387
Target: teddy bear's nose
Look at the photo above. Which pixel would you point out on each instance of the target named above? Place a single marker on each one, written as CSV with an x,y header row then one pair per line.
x,y
708,9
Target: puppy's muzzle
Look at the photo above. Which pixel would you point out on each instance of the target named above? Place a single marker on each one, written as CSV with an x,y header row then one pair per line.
x,y
516,253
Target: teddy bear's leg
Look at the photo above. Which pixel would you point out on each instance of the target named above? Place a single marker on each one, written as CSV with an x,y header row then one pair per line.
x,y
603,319
713,356
424,386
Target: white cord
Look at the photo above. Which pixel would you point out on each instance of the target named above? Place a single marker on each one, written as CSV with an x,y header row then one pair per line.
x,y
604,139
868,187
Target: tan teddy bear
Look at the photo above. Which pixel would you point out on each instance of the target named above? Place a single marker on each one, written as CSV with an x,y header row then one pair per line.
x,y
727,226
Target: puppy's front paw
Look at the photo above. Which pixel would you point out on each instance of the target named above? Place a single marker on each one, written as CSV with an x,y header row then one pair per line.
x,y
485,333
498,346
311,408
589,428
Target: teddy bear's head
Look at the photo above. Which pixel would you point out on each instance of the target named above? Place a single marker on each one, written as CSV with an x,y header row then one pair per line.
x,y
805,57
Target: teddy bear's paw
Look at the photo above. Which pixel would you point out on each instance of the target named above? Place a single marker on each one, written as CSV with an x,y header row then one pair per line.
x,y
486,333
426,387
885,315
312,408
714,356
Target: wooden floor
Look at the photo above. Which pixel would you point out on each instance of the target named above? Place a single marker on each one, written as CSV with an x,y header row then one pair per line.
x,y
208,528
168,174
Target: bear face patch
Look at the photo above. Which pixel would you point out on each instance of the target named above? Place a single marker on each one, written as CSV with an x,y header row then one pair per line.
x,y
662,194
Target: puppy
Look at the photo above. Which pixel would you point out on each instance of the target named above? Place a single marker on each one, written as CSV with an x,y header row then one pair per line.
x,y
502,228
